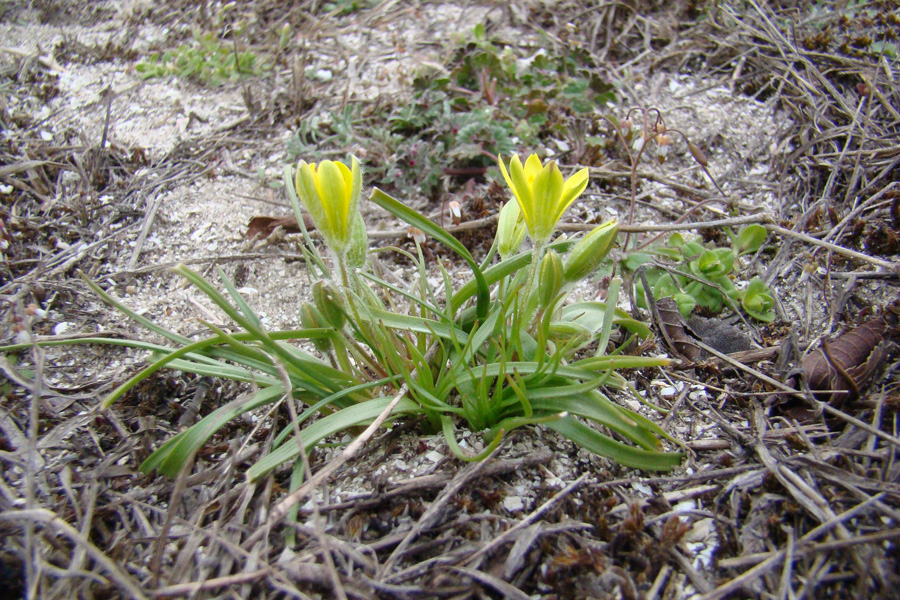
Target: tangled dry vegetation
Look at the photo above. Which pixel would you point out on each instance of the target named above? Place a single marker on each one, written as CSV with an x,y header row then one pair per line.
x,y
783,495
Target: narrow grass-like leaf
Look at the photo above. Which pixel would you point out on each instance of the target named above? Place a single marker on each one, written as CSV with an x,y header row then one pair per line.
x,y
582,435
353,416
169,458
601,363
450,435
510,423
222,370
411,297
501,270
238,299
153,368
144,321
417,324
339,399
599,408
414,218
593,315
606,329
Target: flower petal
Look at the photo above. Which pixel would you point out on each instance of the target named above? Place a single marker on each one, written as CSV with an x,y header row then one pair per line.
x,y
305,184
330,185
571,189
355,184
505,173
532,167
521,188
548,185
346,180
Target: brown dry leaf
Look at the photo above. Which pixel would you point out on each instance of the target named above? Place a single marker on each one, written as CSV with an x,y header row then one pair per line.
x,y
847,364
675,329
264,226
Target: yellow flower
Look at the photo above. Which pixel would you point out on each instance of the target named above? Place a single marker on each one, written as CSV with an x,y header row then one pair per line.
x,y
541,193
331,195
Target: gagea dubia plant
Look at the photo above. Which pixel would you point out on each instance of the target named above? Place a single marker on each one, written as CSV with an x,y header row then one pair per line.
x,y
505,350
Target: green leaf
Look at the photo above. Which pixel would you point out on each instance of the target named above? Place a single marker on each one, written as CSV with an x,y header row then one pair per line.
x,y
758,302
705,296
414,218
713,263
686,304
450,436
636,259
692,250
600,409
665,286
169,458
676,240
751,238
638,458
353,416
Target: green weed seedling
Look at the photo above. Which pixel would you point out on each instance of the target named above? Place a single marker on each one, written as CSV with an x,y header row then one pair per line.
x,y
684,269
489,99
703,275
206,59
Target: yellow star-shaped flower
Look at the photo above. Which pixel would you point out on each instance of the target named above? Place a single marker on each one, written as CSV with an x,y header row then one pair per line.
x,y
541,193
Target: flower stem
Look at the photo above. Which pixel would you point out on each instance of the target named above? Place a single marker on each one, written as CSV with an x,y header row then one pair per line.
x,y
526,313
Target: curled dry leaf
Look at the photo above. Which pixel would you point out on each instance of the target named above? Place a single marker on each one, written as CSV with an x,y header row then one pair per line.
x,y
264,226
674,330
847,364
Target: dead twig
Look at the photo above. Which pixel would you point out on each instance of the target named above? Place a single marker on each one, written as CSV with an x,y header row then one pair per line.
x,y
435,510
50,519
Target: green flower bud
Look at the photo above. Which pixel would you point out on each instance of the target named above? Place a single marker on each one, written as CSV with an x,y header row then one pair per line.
x,y
329,302
510,229
551,278
568,332
358,249
311,318
590,251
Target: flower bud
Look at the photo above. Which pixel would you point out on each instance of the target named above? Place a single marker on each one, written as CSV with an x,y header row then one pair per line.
x,y
330,192
590,251
455,212
550,278
698,154
358,249
311,318
510,229
328,301
416,234
626,126
662,147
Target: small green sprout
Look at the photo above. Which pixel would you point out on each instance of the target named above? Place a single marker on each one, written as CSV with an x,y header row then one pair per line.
x,y
206,59
695,275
